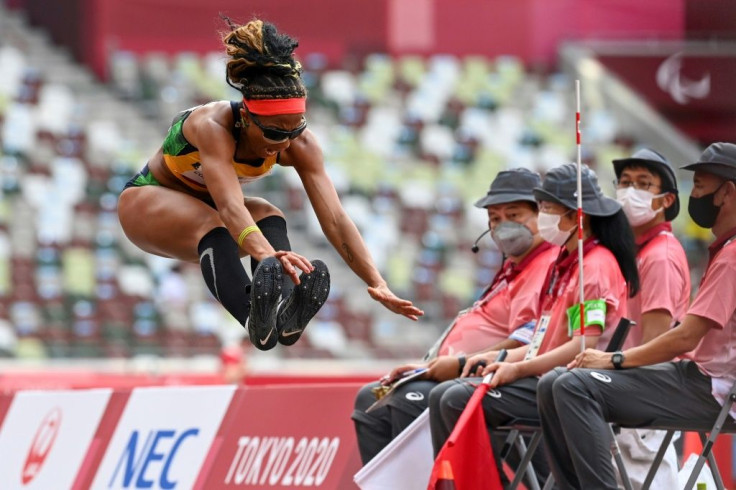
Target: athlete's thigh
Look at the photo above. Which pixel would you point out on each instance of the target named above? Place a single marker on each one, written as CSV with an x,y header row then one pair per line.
x,y
165,222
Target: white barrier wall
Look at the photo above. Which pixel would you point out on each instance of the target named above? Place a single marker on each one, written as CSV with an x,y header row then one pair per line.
x,y
45,435
163,437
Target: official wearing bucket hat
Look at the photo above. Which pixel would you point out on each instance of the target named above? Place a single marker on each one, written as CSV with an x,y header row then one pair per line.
x,y
694,387
512,227
646,187
503,317
719,160
661,260
609,274
657,164
560,186
603,219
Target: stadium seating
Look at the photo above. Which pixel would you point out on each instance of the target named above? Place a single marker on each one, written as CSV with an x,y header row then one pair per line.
x,y
410,143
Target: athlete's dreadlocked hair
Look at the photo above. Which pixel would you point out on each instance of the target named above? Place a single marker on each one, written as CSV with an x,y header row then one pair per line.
x,y
262,65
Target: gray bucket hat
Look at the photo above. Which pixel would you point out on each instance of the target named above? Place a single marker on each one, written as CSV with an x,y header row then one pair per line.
x,y
658,164
560,186
718,159
509,186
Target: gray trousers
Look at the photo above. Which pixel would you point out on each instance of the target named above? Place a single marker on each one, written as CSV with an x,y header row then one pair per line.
x,y
517,400
576,407
375,429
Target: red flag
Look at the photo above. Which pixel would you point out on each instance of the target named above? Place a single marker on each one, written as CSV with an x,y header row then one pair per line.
x,y
466,460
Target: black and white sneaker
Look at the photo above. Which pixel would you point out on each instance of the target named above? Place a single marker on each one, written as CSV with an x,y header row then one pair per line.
x,y
264,300
303,303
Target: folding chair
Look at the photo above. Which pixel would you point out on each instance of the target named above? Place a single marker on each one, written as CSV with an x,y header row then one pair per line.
x,y
529,427
721,426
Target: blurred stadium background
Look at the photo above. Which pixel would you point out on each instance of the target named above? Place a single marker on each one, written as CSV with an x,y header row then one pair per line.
x,y
417,104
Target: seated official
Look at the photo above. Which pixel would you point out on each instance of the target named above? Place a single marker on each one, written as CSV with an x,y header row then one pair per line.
x,y
503,317
577,405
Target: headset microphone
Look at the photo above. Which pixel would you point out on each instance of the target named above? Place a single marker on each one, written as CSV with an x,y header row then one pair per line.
x,y
475,245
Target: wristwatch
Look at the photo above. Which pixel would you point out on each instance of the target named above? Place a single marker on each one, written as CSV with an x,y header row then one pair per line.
x,y
617,359
461,360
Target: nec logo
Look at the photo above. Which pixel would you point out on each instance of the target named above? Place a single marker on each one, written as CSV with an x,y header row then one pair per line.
x,y
145,461
42,443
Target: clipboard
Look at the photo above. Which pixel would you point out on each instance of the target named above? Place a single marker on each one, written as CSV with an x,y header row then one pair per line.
x,y
410,375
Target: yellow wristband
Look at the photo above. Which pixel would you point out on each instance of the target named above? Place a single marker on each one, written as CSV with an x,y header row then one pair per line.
x,y
247,231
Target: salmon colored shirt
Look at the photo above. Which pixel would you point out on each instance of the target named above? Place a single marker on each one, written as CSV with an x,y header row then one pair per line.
x,y
664,276
715,355
508,309
602,280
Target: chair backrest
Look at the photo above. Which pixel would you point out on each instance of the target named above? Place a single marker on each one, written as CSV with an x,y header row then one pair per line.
x,y
619,335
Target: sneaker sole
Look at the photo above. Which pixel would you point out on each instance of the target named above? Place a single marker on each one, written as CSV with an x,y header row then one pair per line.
x,y
264,300
309,296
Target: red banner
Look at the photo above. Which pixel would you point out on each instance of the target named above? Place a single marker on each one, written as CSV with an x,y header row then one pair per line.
x,y
285,437
693,90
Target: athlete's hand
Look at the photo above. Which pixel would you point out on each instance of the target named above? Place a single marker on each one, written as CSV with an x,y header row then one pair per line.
x,y
591,358
383,295
443,368
397,372
475,365
291,261
503,373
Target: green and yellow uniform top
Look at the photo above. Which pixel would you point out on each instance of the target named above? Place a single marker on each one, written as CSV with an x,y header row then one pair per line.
x,y
183,160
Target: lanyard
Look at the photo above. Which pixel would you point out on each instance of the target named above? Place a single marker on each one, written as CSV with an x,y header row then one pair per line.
x,y
502,279
560,273
506,275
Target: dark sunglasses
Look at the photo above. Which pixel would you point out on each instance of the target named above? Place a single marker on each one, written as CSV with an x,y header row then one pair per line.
x,y
276,135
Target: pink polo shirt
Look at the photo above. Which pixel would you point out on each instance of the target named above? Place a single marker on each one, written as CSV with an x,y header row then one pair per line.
x,y
715,355
603,280
664,276
716,352
503,311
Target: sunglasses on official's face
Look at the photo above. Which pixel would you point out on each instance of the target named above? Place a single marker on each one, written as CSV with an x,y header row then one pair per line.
x,y
276,135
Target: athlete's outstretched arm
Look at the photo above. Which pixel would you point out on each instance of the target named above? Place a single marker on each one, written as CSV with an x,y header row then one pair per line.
x,y
305,156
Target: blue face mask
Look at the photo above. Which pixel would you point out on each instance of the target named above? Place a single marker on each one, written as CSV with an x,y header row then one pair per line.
x,y
513,239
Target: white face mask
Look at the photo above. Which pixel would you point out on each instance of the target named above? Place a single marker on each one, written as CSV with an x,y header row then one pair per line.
x,y
549,229
637,205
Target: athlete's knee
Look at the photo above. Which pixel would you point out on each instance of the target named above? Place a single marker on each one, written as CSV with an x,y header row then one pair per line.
x,y
259,208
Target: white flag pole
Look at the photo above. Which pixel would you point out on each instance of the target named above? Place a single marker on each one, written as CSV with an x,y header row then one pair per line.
x,y
580,219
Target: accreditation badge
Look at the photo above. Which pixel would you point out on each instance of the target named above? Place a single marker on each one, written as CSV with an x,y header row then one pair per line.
x,y
538,337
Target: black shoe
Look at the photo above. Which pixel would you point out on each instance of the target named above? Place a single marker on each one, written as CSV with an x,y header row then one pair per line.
x,y
264,300
303,303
